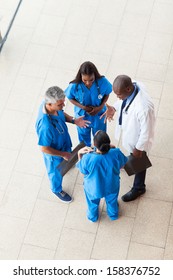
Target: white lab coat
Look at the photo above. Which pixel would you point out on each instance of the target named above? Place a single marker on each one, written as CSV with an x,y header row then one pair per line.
x,y
138,123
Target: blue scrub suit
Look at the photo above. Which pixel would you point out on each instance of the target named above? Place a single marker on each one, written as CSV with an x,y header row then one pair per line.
x,y
89,97
57,138
102,179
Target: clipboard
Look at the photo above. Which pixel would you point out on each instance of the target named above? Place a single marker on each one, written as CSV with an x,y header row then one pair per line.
x,y
65,165
135,165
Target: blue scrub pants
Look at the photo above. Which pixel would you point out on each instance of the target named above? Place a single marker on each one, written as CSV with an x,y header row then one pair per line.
x,y
111,207
84,134
55,177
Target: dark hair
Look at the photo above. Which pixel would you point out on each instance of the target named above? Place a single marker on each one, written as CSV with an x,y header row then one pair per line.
x,y
122,81
102,141
86,68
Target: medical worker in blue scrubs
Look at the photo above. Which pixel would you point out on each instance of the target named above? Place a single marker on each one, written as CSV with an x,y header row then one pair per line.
x,y
101,169
53,137
89,92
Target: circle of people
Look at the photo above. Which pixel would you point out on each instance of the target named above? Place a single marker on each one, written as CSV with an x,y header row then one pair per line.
x,y
98,160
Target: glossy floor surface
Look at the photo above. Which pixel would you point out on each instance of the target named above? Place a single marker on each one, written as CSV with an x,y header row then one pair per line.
x,y
47,43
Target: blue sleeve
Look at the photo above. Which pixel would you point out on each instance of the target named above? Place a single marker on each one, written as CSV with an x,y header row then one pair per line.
x,y
61,115
70,91
44,136
82,165
122,158
105,86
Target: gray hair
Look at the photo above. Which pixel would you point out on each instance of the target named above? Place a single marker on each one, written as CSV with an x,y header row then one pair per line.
x,y
53,94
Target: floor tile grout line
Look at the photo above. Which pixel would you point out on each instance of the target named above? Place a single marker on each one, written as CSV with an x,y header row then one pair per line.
x,y
65,217
145,37
29,220
169,224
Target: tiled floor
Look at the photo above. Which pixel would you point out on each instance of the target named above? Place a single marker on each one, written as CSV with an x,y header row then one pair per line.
x,y
48,42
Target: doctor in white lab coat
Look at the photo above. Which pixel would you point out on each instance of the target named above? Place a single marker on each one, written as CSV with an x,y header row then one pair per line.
x,y
135,124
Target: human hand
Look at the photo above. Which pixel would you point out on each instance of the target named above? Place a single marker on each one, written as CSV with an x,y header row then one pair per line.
x,y
137,153
88,109
83,151
108,114
81,122
66,155
95,111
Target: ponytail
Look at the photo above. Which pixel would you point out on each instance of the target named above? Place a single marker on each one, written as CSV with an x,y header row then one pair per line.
x,y
102,141
104,148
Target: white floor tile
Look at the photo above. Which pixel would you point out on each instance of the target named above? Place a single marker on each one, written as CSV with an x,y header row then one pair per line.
x,y
96,44
57,7
46,224
7,163
140,7
144,252
12,234
159,147
76,218
39,54
157,47
46,46
151,223
151,71
73,25
70,245
21,195
161,19
105,12
48,30
29,252
13,125
115,236
133,27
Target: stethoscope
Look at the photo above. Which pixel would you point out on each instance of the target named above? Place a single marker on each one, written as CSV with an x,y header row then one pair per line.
x,y
135,93
60,129
100,96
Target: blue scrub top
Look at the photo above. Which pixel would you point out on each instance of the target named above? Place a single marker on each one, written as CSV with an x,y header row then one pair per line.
x,y
101,172
48,135
88,97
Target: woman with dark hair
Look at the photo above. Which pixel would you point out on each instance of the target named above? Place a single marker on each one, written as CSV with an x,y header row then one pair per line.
x,y
89,92
101,169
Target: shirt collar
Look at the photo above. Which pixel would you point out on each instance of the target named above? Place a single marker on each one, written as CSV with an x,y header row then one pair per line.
x,y
44,108
132,95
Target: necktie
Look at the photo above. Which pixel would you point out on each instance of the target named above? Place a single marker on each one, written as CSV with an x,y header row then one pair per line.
x,y
121,112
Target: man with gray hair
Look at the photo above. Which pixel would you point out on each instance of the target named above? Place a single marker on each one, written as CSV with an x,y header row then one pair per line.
x,y
54,138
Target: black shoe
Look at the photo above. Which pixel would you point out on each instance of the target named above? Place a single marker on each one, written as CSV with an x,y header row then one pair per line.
x,y
132,195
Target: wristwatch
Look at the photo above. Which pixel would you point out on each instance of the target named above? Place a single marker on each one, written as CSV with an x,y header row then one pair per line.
x,y
72,120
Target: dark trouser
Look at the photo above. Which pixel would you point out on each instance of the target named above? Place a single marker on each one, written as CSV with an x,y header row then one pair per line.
x,y
139,181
